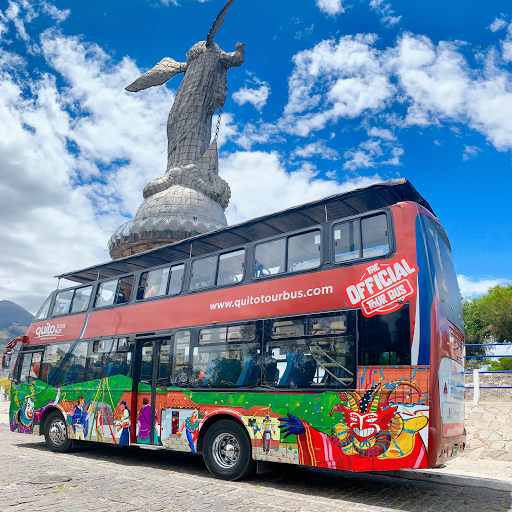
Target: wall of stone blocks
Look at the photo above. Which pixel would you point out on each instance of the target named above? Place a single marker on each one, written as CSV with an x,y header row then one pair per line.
x,y
489,431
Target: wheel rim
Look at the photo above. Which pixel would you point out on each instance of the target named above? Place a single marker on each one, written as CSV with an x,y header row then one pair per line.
x,y
57,432
226,450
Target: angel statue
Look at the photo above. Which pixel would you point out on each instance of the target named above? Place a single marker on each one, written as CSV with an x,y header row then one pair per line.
x,y
192,160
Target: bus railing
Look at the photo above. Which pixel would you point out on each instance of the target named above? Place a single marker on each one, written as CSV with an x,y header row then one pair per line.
x,y
477,372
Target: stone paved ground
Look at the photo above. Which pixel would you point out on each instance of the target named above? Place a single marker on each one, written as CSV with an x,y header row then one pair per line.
x,y
109,478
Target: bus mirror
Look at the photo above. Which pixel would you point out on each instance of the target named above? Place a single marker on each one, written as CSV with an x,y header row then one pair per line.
x,y
6,360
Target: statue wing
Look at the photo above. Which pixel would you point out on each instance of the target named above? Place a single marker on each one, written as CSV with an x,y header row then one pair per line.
x,y
163,71
218,22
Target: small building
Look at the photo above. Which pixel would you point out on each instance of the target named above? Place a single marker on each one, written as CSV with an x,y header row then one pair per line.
x,y
179,408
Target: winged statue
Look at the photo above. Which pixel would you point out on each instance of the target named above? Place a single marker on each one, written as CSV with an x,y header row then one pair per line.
x,y
202,92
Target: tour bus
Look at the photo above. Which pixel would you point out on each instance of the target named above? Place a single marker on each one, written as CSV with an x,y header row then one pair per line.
x,y
328,335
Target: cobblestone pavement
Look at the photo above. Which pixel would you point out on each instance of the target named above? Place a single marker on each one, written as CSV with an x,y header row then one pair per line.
x,y
109,478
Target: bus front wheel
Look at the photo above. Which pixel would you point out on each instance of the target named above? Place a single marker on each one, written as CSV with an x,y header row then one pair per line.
x,y
227,451
56,433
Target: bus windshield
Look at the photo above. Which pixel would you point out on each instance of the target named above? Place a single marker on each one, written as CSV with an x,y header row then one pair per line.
x,y
445,278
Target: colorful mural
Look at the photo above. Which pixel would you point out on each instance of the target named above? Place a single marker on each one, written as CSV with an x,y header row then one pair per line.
x,y
382,425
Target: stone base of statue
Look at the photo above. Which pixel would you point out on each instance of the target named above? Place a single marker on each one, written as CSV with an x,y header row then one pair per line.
x,y
186,201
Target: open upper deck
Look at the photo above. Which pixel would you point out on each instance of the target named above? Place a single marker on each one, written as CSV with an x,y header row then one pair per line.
x,y
307,215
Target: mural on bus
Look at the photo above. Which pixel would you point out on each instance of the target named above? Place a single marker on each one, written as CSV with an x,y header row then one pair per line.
x,y
381,426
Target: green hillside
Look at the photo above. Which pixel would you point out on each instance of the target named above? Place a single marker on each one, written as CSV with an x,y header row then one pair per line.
x,y
14,321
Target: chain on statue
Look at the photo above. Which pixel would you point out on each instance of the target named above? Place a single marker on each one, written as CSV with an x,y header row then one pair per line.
x,y
218,126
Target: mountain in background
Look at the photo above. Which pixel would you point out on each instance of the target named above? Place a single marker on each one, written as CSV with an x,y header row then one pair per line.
x,y
14,321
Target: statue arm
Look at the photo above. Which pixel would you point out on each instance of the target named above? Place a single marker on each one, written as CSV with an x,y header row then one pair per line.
x,y
233,59
163,71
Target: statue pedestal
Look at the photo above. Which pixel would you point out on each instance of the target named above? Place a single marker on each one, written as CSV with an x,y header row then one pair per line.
x,y
168,216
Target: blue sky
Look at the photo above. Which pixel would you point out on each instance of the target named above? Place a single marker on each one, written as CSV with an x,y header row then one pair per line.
x,y
333,94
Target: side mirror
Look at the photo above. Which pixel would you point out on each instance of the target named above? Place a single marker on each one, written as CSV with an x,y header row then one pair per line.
x,y
6,360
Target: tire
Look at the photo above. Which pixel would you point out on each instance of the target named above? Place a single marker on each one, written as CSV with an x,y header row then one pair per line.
x,y
227,451
56,433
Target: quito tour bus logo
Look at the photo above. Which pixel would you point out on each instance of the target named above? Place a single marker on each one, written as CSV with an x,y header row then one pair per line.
x,y
383,287
50,331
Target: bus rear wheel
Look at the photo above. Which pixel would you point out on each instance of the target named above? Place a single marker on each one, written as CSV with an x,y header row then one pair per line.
x,y
227,451
56,433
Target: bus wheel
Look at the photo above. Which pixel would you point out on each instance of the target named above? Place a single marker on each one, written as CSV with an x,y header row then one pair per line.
x,y
227,451
56,433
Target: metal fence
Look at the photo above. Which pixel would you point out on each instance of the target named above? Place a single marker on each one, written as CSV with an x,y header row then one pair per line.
x,y
477,372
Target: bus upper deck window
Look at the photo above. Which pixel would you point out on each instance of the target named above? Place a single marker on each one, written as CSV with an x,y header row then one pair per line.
x,y
154,283
63,302
231,267
269,258
81,299
176,281
43,312
375,236
304,251
203,273
106,293
347,241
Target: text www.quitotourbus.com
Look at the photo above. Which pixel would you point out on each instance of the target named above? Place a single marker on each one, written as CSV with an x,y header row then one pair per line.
x,y
278,297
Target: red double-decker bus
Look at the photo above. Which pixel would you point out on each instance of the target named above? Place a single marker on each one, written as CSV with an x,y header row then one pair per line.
x,y
329,335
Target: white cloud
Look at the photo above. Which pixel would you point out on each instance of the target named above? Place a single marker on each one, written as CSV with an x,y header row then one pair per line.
x,y
350,78
315,148
53,141
331,7
372,153
498,24
256,97
470,152
473,287
386,12
277,188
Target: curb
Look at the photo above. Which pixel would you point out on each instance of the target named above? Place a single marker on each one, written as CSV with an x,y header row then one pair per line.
x,y
422,475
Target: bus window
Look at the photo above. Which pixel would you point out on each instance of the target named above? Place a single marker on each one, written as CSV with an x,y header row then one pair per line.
x,y
181,358
146,370
106,294
445,278
43,312
231,267
154,283
375,236
164,364
30,367
269,258
217,363
288,327
110,357
246,332
203,273
385,339
81,299
62,302
124,291
73,371
321,358
54,354
176,281
304,251
347,241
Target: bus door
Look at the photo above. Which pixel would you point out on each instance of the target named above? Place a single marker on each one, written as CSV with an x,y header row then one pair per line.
x,y
152,386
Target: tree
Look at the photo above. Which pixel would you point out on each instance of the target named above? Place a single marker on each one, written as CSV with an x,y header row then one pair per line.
x,y
505,363
488,319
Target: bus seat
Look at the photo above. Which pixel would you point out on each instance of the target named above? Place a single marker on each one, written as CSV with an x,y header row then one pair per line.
x,y
271,371
222,372
251,371
299,372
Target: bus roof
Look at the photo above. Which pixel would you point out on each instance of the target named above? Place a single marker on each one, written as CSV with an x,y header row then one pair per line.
x,y
306,215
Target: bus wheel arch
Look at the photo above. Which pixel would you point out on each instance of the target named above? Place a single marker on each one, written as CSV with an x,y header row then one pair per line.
x,y
226,447
45,417
214,419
